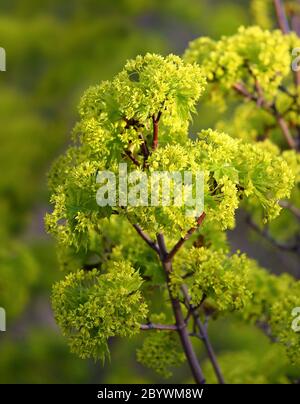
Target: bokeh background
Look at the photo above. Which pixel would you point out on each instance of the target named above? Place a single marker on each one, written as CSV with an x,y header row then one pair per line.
x,y
55,50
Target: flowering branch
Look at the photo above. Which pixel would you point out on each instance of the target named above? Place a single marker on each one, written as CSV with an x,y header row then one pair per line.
x,y
146,238
132,158
271,108
183,239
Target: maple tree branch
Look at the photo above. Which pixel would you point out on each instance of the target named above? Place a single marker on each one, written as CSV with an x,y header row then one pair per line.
x,y
281,16
203,336
146,238
288,205
155,122
241,89
132,158
183,239
264,233
284,90
180,322
286,132
271,108
144,149
285,129
283,24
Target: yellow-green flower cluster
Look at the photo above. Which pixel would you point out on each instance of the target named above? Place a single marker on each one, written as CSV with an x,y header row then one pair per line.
x,y
220,278
91,307
251,54
148,86
240,169
103,299
117,116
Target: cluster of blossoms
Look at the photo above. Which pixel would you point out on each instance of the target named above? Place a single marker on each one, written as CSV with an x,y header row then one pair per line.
x,y
142,118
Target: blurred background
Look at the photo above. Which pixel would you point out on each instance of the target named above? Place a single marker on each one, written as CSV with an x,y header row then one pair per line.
x,y
55,50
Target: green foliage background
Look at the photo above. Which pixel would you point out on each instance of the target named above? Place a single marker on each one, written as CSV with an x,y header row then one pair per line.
x,y
55,50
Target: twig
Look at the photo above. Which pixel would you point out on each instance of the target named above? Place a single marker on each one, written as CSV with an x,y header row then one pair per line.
x,y
284,90
271,108
144,149
260,97
281,17
182,329
183,239
285,130
195,334
265,327
132,158
295,23
146,238
291,208
204,337
285,28
264,233
241,89
155,122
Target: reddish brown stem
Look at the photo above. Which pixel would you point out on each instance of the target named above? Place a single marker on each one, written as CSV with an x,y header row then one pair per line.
x,y
146,238
241,89
132,158
281,16
182,329
271,108
204,337
288,205
286,131
155,121
144,150
283,24
294,247
183,239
